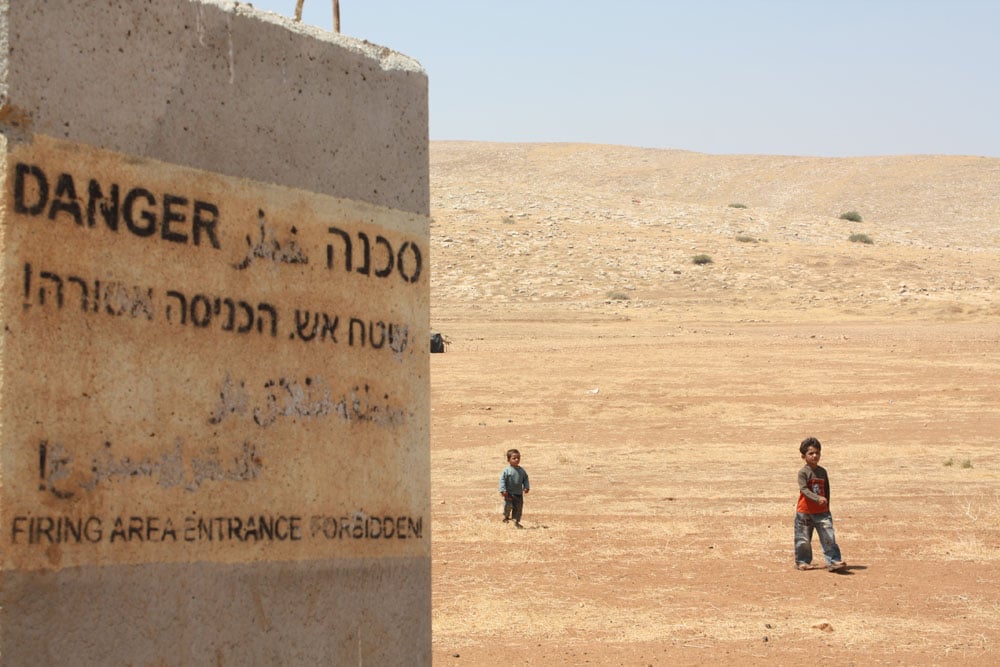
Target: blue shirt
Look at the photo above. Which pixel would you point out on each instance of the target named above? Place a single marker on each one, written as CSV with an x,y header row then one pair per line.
x,y
514,479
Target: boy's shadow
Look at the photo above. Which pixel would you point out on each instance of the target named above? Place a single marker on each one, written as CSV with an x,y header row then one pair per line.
x,y
849,570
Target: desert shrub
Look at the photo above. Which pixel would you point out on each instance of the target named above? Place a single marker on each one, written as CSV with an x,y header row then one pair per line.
x,y
860,238
737,205
853,216
967,463
701,259
746,239
618,296
508,220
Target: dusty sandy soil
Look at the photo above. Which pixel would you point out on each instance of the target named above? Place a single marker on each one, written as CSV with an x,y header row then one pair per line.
x,y
658,405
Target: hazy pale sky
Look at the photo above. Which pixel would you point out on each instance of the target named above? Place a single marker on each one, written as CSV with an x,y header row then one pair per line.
x,y
791,77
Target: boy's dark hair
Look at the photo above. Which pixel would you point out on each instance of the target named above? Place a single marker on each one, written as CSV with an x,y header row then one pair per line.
x,y
512,451
809,442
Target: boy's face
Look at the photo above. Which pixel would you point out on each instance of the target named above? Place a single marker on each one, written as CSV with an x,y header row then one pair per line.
x,y
514,459
811,457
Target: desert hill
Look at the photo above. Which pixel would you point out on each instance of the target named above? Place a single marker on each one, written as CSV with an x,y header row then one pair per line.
x,y
575,226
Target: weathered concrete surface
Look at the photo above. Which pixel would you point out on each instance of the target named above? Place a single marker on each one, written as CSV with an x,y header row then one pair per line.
x,y
223,88
315,613
214,402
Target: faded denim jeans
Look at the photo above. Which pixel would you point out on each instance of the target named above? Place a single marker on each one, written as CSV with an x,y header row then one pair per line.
x,y
823,525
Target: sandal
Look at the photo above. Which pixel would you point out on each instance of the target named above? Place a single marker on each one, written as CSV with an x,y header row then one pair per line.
x,y
803,566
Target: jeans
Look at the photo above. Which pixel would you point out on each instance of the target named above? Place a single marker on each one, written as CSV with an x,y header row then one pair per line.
x,y
823,525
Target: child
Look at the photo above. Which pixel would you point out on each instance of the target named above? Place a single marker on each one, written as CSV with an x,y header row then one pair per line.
x,y
813,511
513,486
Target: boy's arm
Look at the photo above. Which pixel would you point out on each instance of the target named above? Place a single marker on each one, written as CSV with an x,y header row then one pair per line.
x,y
527,487
503,483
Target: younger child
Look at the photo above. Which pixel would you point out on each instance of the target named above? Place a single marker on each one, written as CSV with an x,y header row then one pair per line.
x,y
513,486
813,511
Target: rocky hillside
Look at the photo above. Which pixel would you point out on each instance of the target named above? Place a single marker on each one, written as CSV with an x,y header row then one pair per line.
x,y
536,228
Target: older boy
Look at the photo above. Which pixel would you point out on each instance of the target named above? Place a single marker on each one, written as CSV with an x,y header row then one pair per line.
x,y
813,511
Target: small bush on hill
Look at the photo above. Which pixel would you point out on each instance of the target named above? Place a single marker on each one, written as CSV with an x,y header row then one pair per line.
x,y
746,239
737,205
618,296
701,259
860,238
853,216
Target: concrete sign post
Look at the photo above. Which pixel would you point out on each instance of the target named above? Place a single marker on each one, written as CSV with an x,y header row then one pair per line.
x,y
214,400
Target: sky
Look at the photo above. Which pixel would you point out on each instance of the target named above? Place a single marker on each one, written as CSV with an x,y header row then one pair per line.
x,y
833,78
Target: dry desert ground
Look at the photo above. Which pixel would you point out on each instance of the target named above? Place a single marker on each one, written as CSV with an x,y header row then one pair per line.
x,y
658,405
